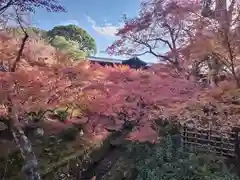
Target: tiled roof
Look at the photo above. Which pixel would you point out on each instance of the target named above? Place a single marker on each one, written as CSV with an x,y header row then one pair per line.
x,y
101,59
111,60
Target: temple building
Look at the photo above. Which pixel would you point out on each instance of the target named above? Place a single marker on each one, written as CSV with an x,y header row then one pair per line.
x,y
134,62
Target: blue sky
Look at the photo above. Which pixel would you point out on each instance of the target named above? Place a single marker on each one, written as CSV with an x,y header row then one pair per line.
x,y
100,18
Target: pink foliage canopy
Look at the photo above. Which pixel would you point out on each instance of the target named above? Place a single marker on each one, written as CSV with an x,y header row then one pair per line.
x,y
136,93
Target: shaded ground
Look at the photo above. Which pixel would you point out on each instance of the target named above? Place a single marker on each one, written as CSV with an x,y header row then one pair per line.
x,y
49,148
101,168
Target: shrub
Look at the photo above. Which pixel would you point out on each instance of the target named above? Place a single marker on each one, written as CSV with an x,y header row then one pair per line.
x,y
61,115
162,161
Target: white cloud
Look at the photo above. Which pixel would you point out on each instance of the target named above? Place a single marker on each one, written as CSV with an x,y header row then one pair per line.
x,y
68,22
108,29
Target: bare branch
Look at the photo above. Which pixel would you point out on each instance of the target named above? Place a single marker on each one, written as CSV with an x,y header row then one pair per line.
x,y
24,40
164,58
5,7
178,32
163,40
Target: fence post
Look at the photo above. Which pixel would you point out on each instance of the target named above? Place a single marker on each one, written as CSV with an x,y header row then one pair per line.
x,y
209,136
177,136
183,136
236,141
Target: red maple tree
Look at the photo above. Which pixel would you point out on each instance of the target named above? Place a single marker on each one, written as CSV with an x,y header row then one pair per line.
x,y
21,90
134,94
161,27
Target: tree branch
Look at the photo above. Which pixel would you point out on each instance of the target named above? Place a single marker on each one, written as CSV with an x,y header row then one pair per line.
x,y
163,40
165,58
24,40
4,8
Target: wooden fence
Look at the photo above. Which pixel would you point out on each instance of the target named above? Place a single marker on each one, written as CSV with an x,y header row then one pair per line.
x,y
209,140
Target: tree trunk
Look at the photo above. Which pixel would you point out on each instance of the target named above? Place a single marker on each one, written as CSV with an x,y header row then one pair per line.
x,y
30,168
212,78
